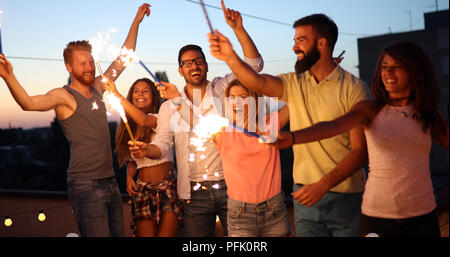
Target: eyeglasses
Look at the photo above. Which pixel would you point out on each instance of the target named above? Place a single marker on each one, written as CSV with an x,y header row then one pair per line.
x,y
188,63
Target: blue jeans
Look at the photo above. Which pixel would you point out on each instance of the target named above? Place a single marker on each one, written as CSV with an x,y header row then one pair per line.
x,y
200,211
335,215
264,219
97,206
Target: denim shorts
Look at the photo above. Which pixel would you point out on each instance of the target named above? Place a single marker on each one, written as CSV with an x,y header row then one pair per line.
x,y
165,204
265,219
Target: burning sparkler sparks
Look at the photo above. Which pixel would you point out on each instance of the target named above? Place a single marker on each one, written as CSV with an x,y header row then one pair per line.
x,y
114,101
98,44
207,127
210,125
128,56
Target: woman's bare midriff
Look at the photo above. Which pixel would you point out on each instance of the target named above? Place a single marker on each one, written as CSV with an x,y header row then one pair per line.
x,y
156,173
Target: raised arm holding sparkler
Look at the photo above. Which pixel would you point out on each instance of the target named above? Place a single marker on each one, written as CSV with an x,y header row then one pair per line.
x,y
138,149
314,50
80,111
135,113
116,68
234,19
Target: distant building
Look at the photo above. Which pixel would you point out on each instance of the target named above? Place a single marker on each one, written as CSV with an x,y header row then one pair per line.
x,y
434,40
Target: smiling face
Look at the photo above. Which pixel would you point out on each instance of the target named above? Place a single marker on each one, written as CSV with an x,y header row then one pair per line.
x,y
142,96
238,95
194,74
395,78
82,67
305,46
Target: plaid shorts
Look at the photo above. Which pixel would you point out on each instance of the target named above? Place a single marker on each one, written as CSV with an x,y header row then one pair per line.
x,y
154,199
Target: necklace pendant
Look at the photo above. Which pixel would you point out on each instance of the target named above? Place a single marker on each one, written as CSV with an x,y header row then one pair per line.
x,y
404,114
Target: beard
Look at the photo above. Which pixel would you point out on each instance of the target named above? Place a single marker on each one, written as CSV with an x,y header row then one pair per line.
x,y
87,81
308,60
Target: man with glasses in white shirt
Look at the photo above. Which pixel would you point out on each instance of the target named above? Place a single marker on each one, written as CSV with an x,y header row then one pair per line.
x,y
200,180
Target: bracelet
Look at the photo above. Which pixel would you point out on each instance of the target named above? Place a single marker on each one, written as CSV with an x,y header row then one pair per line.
x,y
177,100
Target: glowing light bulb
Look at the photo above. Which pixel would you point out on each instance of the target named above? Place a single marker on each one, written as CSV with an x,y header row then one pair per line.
x,y
8,221
41,216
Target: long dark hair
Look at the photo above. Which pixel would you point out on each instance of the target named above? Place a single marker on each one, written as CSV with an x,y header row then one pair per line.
x,y
425,91
122,136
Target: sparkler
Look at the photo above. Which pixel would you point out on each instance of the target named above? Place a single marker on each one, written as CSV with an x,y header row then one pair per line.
x,y
207,17
207,127
253,134
115,104
99,68
128,56
98,45
212,124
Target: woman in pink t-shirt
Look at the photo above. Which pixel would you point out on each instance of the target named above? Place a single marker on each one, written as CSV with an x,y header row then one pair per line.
x,y
252,171
399,124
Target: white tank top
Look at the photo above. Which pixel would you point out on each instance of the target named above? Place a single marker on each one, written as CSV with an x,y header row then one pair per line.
x,y
147,162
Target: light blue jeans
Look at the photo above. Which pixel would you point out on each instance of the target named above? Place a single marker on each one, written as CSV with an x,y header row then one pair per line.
x,y
97,206
265,219
335,215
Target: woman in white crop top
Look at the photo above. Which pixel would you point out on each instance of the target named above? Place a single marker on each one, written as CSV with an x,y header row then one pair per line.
x,y
399,124
156,209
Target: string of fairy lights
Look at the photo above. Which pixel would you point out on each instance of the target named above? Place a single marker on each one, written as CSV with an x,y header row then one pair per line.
x,y
40,214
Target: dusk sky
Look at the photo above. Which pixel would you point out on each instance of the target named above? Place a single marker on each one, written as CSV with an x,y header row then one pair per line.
x,y
41,29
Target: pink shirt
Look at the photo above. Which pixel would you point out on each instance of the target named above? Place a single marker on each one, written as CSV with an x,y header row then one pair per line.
x,y
399,182
252,171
